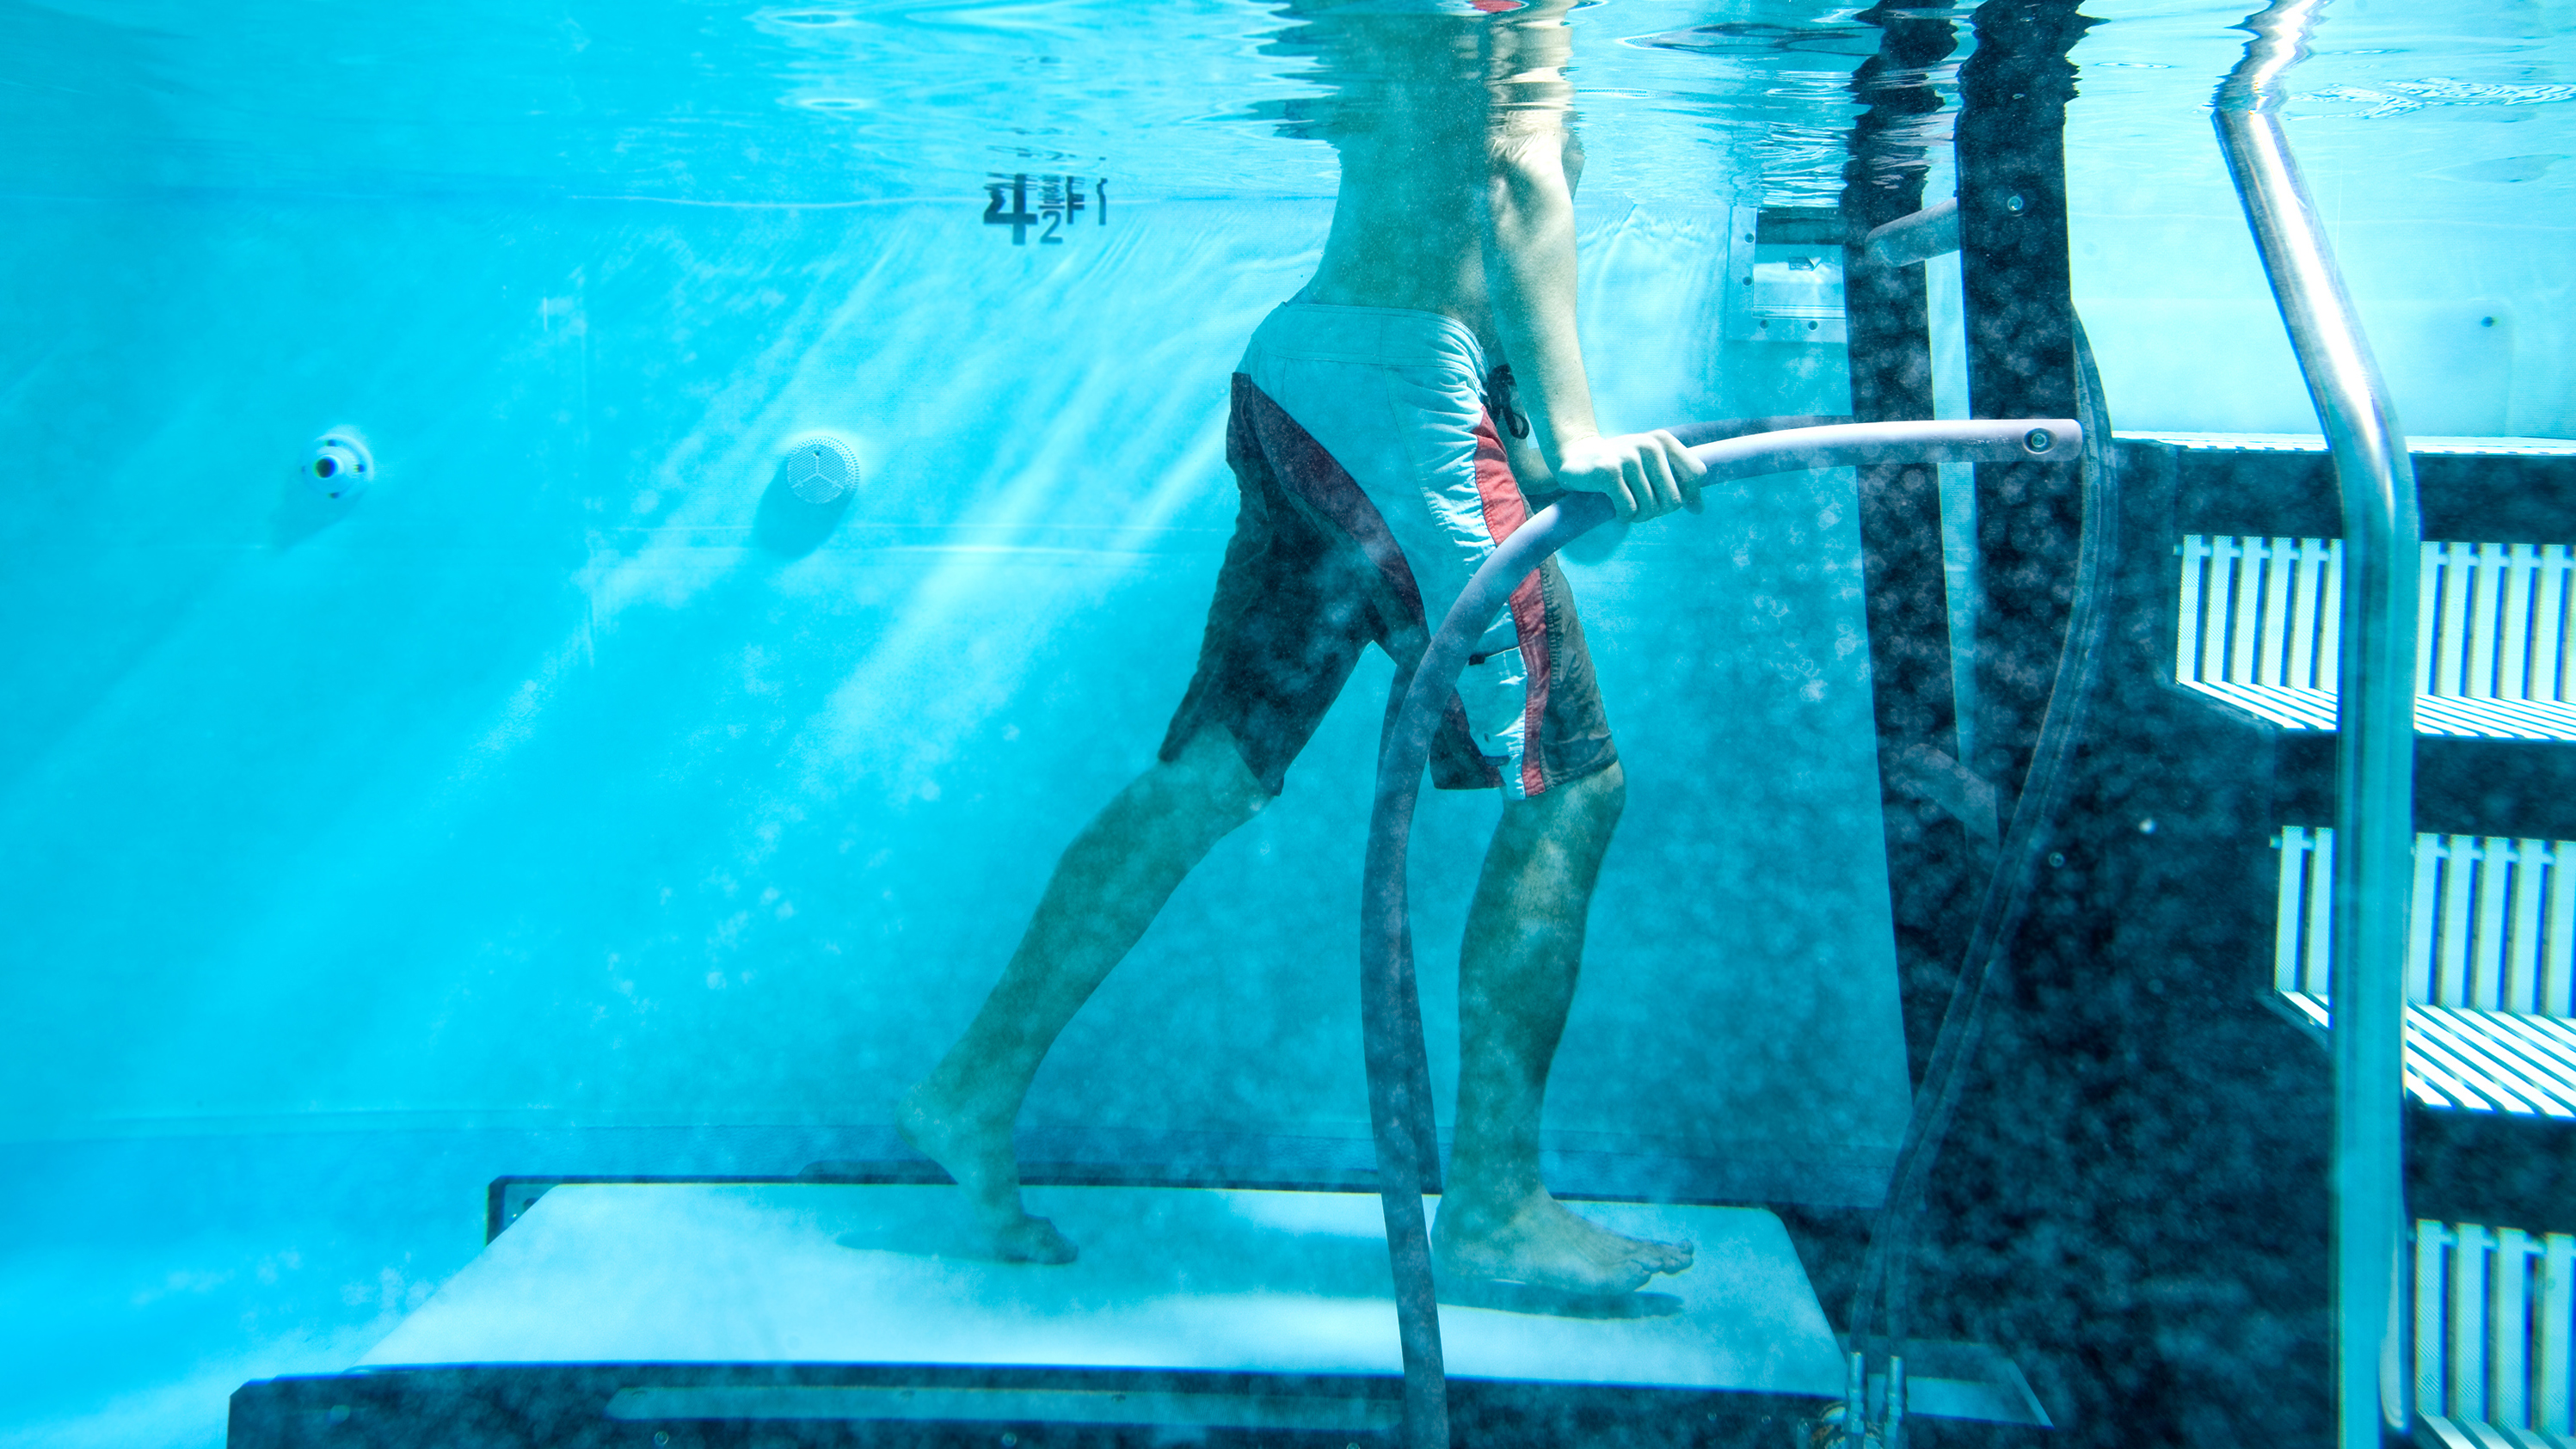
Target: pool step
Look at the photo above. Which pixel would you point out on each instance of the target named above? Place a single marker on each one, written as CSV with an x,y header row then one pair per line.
x,y
2257,620
2491,965
2472,1434
2479,1061
2236,565
2227,665
2494,1335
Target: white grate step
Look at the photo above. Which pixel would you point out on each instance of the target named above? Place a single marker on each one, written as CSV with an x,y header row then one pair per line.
x,y
2490,970
2470,1434
2481,1061
2257,626
2494,1330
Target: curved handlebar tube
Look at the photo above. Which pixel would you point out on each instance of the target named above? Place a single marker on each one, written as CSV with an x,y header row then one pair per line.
x,y
1390,1008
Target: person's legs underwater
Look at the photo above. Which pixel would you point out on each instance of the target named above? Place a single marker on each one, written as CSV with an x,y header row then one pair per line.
x,y
1106,890
1291,614
1373,480
1516,978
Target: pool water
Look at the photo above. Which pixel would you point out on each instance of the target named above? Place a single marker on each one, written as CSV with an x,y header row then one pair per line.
x,y
568,803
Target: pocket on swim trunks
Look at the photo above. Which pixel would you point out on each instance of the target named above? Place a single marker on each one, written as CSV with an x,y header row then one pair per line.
x,y
1494,688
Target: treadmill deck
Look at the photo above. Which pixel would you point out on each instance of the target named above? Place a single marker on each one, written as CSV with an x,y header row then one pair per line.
x,y
1203,1279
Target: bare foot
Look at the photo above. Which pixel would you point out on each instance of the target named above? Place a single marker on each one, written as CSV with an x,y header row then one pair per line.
x,y
1537,1241
979,1156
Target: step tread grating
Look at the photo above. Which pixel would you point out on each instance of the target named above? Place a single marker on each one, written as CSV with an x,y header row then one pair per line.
x,y
2295,708
2258,618
2478,1434
2479,1061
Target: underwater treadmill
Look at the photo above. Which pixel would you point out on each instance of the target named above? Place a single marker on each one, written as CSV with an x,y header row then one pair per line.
x,y
833,1310
838,1312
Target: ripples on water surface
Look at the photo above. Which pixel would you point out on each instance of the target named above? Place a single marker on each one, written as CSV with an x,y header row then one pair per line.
x,y
823,103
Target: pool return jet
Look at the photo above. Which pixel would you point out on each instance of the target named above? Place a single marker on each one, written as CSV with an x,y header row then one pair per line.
x,y
1399,1074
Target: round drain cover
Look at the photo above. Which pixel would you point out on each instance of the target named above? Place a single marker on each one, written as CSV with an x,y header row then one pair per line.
x,y
820,468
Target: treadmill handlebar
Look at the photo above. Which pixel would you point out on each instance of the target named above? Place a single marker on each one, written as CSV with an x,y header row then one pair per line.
x,y
1788,450
1861,445
1390,1008
1831,445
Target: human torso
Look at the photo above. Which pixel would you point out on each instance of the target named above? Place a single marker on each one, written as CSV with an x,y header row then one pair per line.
x,y
1414,136
1404,231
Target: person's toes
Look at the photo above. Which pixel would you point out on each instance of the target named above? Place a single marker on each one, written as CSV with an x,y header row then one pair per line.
x,y
1626,1278
1581,1268
1034,1240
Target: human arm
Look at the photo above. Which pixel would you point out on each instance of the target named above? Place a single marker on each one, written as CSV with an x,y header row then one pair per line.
x,y
1526,219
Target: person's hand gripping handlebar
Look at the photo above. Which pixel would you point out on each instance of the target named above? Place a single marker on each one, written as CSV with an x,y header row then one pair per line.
x,y
1644,475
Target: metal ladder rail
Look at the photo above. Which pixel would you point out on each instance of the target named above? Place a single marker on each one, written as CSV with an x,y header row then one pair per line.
x,y
1399,1076
2374,716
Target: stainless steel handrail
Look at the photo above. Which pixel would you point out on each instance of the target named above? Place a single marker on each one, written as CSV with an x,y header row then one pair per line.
x,y
2374,718
1399,1077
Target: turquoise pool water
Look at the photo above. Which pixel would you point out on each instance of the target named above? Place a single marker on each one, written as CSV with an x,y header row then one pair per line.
x,y
541,810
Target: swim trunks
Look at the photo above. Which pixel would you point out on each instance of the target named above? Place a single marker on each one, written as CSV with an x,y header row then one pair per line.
x,y
1373,484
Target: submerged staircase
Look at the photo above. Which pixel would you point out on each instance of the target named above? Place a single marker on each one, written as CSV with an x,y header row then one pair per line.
x,y
2133,1203
2243,531
2491,968
2135,1195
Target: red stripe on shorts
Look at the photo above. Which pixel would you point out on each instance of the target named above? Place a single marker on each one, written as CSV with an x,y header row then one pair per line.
x,y
1506,511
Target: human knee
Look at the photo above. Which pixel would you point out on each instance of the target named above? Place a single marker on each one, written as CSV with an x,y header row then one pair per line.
x,y
1600,797
1211,777
1578,814
1238,799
